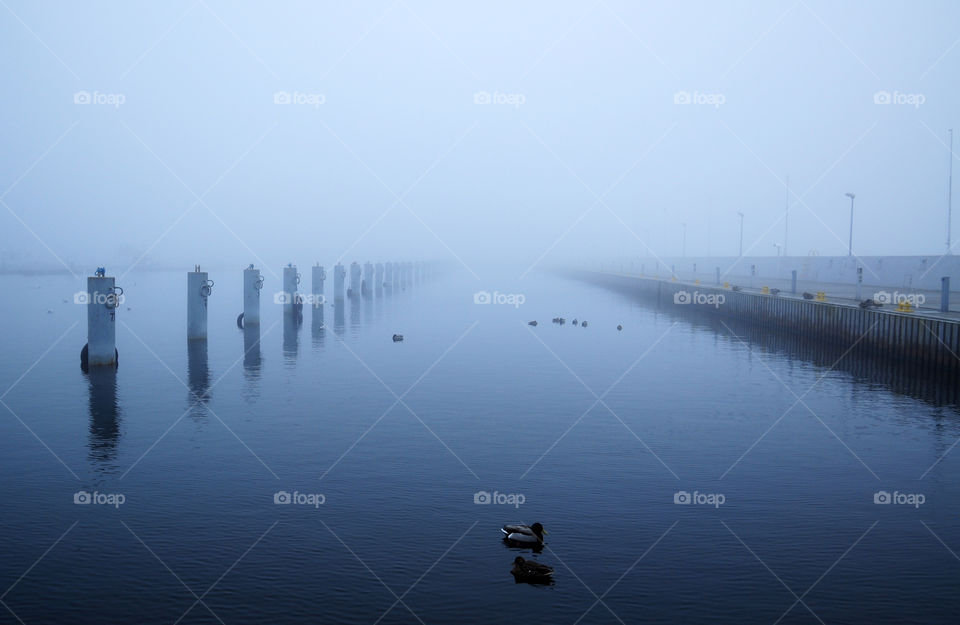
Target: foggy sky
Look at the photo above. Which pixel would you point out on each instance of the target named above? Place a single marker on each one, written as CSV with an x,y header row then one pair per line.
x,y
390,149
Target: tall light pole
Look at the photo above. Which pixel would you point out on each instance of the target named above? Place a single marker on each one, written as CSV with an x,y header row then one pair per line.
x,y
850,244
950,193
786,218
741,232
684,253
778,246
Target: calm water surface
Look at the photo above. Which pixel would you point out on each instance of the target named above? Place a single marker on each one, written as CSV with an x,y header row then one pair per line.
x,y
597,430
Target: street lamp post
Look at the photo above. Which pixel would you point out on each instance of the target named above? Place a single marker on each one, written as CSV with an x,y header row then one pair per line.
x,y
850,244
741,232
950,193
778,246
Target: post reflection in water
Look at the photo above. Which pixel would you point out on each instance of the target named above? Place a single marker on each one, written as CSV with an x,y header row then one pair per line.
x,y
338,317
316,326
251,358
198,375
291,337
355,316
104,418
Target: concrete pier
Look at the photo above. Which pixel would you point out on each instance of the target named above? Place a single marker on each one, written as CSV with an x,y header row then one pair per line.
x,y
339,273
199,289
252,285
291,280
316,286
355,278
378,276
367,285
928,339
103,298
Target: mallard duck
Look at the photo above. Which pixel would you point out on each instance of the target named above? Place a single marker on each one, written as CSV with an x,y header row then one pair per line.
x,y
531,572
523,535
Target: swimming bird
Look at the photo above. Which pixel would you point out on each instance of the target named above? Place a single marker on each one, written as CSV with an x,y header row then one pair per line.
x,y
583,324
574,322
520,535
531,572
397,338
619,327
531,323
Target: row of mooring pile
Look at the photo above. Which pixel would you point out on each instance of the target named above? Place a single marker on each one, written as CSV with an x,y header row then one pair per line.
x,y
104,297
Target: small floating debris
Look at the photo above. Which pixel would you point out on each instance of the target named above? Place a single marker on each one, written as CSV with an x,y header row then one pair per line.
x,y
870,303
532,323
583,325
774,292
574,322
619,328
49,311
397,338
736,288
807,295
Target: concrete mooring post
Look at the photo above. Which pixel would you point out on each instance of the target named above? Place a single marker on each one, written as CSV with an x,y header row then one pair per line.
x,y
339,273
252,284
316,287
103,298
945,294
291,280
354,280
199,289
367,283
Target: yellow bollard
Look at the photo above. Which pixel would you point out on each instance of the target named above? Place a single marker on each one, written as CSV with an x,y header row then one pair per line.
x,y
765,290
904,306
697,281
821,296
726,285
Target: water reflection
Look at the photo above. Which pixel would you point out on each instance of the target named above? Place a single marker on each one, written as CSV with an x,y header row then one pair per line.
x,y
317,327
104,417
354,316
338,317
291,337
251,359
198,375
